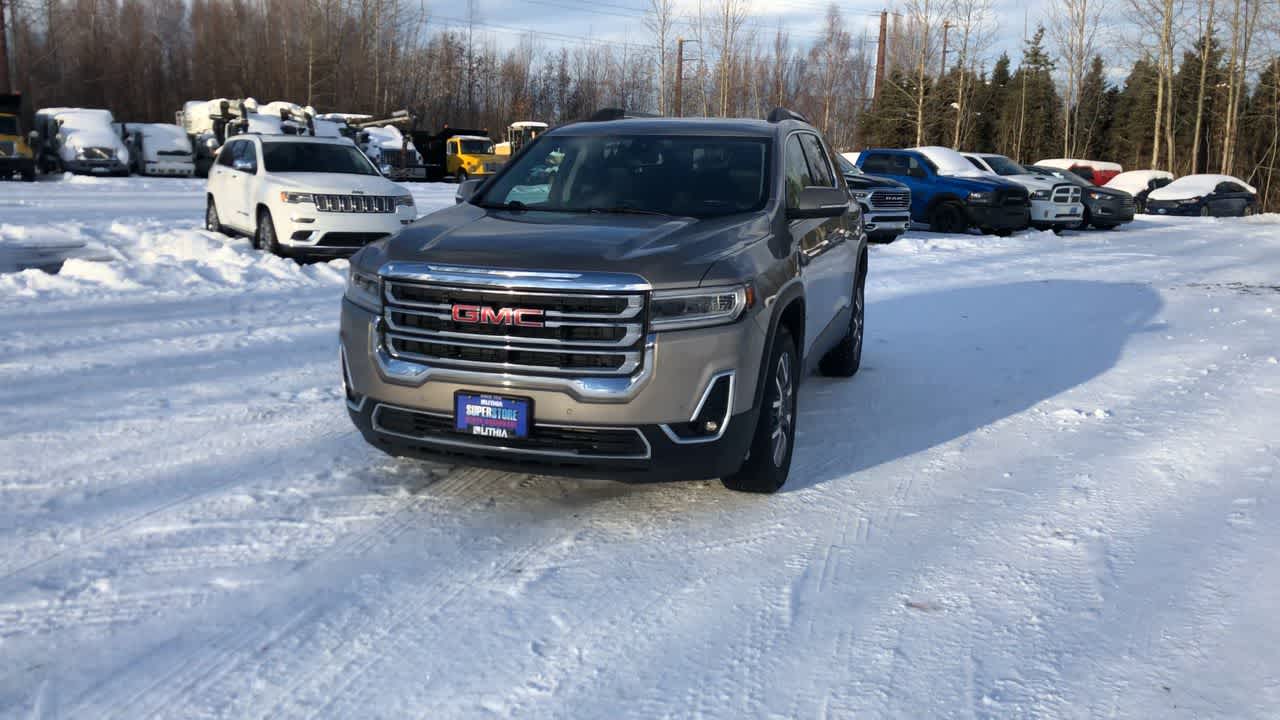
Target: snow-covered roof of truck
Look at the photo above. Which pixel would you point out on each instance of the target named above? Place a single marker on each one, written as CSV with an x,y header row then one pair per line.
x,y
1068,163
529,124
1135,181
388,136
80,118
344,117
1189,186
950,162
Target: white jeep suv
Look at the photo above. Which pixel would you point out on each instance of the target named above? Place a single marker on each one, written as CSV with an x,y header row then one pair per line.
x,y
1054,205
303,196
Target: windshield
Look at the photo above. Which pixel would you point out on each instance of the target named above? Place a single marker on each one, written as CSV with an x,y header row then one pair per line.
x,y
476,147
693,176
1062,175
8,125
316,158
1002,165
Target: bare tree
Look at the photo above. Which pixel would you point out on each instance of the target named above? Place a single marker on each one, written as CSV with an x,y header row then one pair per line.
x,y
1073,25
660,20
1244,21
730,16
923,21
972,18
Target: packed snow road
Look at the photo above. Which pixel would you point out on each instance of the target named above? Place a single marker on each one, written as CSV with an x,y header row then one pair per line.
x,y
1051,492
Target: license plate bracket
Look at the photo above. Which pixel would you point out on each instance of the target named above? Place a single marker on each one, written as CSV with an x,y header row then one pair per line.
x,y
493,416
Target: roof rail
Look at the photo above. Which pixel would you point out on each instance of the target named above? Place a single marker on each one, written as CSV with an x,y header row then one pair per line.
x,y
780,113
607,114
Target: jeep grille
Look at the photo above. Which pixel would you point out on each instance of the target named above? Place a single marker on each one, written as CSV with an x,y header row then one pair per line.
x,y
355,203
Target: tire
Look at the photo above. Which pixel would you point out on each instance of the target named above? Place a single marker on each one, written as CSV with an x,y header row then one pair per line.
x,y
845,358
461,177
29,175
265,237
1086,219
948,217
212,222
1003,232
1204,211
1105,226
769,459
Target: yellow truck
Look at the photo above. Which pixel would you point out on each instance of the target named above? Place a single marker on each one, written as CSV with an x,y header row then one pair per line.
x,y
457,154
16,155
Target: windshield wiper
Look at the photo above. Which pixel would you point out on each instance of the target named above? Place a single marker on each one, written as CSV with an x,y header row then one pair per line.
x,y
627,210
509,205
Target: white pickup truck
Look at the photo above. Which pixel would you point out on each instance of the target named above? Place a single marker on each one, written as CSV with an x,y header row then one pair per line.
x,y
1055,205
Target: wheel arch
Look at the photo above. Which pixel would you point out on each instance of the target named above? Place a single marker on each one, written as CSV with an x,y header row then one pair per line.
x,y
789,313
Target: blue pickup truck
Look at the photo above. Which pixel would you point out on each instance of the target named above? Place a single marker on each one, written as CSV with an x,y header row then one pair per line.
x,y
948,194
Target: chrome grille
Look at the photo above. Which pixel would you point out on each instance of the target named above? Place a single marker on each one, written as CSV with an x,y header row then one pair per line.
x,y
355,203
890,199
569,333
1066,193
98,153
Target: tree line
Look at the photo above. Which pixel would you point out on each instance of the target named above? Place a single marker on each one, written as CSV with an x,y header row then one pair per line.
x,y
1199,93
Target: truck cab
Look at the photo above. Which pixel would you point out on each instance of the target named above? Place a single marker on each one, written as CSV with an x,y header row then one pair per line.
x,y
16,155
948,194
458,154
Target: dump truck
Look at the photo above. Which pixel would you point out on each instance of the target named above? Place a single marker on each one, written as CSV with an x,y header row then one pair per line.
x,y
520,134
458,154
17,155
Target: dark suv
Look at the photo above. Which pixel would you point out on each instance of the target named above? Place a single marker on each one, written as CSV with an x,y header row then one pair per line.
x,y
630,298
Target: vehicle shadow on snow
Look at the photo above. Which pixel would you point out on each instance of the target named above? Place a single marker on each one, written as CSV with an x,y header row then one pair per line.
x,y
939,365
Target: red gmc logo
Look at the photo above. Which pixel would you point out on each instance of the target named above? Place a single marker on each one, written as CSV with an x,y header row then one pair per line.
x,y
483,314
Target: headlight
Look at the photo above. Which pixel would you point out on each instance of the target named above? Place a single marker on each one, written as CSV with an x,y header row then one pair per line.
x,y
981,198
1041,195
404,201
295,198
1096,196
859,194
79,153
685,309
364,290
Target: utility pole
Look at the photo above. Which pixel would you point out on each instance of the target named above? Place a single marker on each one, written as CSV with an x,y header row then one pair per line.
x,y
4,53
680,75
946,25
884,35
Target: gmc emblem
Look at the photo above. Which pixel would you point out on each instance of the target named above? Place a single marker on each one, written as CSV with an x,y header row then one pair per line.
x,y
485,315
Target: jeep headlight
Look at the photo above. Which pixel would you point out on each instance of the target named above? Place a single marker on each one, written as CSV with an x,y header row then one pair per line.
x,y
404,201
294,198
364,289
1041,195
701,307
981,198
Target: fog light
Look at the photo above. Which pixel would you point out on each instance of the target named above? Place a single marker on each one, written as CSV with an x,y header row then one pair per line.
x,y
710,418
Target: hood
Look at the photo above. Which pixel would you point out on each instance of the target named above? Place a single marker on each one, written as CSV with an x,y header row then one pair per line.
x,y
981,181
866,182
1035,182
337,183
667,251
92,137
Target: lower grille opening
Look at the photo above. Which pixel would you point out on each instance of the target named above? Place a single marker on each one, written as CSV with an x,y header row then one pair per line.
x,y
504,356
349,239
553,439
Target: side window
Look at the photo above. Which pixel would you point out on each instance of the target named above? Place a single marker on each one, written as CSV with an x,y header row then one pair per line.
x,y
974,162
451,147
915,168
819,163
1229,187
879,165
226,155
797,168
247,152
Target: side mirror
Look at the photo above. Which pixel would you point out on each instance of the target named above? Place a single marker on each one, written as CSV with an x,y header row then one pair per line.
x,y
466,190
243,165
819,202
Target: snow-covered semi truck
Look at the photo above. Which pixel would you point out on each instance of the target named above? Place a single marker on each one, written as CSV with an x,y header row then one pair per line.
x,y
80,140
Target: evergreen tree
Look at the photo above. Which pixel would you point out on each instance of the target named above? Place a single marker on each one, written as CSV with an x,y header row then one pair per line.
x,y
1186,87
1031,113
1132,128
1096,111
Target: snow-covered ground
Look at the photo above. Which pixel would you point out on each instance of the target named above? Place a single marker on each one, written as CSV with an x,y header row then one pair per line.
x,y
1053,491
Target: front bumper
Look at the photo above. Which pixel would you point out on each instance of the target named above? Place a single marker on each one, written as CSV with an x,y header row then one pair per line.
x,y
166,168
96,167
1110,211
679,368
16,166
885,222
1046,215
999,217
304,231
1161,207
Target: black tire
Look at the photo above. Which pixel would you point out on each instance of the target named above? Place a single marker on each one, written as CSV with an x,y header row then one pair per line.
x,y
461,177
29,175
768,461
1086,219
265,237
948,217
845,358
212,222
1105,226
1004,232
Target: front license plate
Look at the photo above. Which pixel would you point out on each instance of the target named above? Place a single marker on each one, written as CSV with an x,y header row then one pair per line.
x,y
492,416
98,170
1074,211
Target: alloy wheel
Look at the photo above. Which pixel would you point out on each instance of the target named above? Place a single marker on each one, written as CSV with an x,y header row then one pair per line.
x,y
783,411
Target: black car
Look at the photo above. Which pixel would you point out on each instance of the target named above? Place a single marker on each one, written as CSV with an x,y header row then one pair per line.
x,y
886,203
1104,208
1204,195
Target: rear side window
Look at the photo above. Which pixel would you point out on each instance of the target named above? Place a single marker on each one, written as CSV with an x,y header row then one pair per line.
x,y
974,162
798,173
879,165
819,163
1230,187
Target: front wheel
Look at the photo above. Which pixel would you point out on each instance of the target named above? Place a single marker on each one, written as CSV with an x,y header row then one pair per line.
x,y
461,177
769,459
211,221
948,218
265,238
